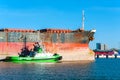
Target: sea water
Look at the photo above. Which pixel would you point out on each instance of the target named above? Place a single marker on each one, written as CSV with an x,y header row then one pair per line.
x,y
100,69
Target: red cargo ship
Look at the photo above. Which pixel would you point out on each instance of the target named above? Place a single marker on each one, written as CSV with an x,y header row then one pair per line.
x,y
71,44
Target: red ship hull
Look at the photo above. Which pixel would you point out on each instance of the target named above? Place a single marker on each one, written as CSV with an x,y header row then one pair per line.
x,y
15,47
72,45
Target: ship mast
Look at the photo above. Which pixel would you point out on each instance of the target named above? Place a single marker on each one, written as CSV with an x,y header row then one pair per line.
x,y
83,18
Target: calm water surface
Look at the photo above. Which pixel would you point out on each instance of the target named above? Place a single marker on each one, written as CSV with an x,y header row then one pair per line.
x,y
101,69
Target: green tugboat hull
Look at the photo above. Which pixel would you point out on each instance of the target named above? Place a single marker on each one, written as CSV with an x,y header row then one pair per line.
x,y
33,59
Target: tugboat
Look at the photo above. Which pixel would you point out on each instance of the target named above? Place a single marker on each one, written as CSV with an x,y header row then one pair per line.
x,y
38,54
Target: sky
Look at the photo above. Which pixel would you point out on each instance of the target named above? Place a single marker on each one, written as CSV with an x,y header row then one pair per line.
x,y
102,15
